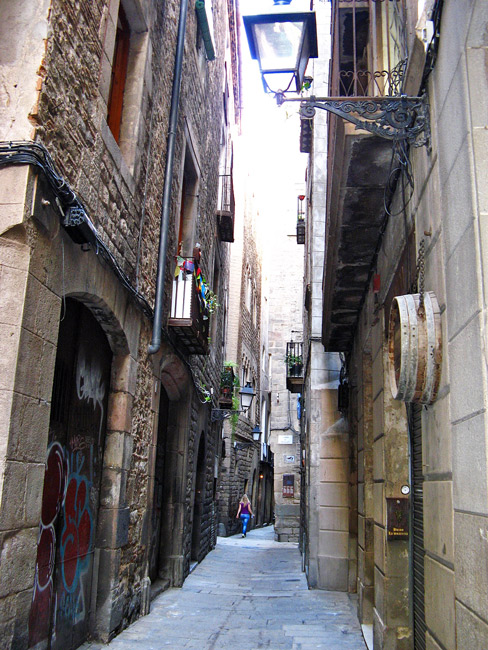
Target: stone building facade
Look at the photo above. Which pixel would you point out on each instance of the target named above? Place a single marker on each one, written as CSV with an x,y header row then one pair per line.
x,y
328,501
284,273
405,225
108,455
246,465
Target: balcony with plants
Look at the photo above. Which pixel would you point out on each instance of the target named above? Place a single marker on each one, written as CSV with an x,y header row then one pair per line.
x,y
192,303
294,366
228,383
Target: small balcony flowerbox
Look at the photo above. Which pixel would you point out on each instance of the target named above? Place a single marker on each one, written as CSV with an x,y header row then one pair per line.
x,y
227,379
294,367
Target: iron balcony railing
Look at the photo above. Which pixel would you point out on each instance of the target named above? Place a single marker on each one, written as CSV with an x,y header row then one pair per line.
x,y
188,318
369,52
227,208
294,366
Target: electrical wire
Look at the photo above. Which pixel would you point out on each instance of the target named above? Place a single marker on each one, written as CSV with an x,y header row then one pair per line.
x,y
36,154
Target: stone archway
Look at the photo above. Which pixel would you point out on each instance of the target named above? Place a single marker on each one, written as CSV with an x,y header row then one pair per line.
x,y
64,579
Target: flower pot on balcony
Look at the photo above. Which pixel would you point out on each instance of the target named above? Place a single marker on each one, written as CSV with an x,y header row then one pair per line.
x,y
227,381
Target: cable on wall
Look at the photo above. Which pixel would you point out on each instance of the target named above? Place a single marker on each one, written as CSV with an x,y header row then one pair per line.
x,y
75,219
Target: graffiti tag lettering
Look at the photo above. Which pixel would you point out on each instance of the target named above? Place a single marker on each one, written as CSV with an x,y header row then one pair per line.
x,y
90,386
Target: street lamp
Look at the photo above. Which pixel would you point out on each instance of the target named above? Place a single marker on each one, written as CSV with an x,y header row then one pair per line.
x,y
247,395
282,43
256,433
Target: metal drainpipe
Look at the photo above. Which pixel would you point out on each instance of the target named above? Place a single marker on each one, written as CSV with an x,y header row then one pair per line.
x,y
168,181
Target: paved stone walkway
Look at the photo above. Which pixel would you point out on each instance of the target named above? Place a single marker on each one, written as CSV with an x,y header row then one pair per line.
x,y
246,594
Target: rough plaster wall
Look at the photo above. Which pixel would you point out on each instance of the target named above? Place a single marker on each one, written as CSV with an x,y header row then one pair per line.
x,y
23,33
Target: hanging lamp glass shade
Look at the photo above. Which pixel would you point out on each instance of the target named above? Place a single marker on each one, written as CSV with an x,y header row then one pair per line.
x,y
282,43
247,394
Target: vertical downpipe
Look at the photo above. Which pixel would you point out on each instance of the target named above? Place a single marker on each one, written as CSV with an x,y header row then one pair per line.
x,y
168,181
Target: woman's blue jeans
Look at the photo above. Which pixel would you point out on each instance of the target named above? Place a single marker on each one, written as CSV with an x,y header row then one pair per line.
x,y
245,521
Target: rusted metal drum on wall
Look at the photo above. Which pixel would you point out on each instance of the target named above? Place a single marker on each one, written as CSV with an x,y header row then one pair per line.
x,y
415,348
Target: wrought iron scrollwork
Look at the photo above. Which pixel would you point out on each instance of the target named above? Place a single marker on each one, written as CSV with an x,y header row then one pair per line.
x,y
394,118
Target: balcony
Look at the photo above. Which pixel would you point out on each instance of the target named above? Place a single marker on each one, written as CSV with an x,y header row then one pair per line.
x,y
294,367
189,317
368,60
226,212
227,383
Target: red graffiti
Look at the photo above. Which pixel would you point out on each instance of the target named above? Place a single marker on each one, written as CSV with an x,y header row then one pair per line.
x,y
52,499
54,483
77,532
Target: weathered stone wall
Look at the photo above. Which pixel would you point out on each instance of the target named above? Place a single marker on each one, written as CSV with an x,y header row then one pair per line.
x,y
284,270
65,81
240,467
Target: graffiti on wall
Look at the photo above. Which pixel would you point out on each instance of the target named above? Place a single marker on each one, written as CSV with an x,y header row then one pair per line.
x,y
52,500
90,386
67,484
61,600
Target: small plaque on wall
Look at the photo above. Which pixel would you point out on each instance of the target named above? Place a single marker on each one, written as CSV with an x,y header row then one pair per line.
x,y
288,458
397,526
285,439
288,485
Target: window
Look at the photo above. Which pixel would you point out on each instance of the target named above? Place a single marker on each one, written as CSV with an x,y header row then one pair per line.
x,y
188,207
124,78
248,296
119,75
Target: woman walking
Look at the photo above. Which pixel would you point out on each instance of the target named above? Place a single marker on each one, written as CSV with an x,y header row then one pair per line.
x,y
245,513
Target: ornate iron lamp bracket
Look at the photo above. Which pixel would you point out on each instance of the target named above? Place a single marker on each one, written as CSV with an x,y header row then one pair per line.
x,y
218,415
395,118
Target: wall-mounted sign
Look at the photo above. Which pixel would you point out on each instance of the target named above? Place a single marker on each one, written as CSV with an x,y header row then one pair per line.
x,y
285,439
288,459
397,518
288,485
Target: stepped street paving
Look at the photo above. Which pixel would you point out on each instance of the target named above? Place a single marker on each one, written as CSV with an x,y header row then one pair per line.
x,y
246,594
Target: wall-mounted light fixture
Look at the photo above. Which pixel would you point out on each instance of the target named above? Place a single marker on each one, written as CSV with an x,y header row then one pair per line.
x,y
283,42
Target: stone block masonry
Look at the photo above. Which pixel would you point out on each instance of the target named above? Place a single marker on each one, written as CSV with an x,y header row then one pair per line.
x,y
57,82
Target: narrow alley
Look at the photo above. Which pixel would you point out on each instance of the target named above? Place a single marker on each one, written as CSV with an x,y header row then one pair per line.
x,y
246,594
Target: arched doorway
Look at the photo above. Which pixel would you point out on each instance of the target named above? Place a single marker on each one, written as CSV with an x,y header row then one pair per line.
x,y
198,501
62,597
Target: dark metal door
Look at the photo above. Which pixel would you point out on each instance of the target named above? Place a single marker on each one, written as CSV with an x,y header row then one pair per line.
x,y
417,538
61,605
160,482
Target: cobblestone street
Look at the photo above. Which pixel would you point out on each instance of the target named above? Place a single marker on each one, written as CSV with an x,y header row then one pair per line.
x,y
246,594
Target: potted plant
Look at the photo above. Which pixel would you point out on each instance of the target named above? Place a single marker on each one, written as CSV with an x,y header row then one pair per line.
x,y
227,378
295,365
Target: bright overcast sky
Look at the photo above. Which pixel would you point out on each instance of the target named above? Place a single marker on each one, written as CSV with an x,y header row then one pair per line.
x,y
270,141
